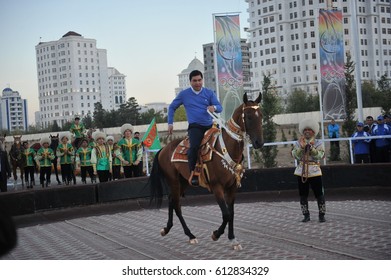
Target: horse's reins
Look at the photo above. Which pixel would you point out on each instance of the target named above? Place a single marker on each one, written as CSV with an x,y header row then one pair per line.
x,y
305,160
235,132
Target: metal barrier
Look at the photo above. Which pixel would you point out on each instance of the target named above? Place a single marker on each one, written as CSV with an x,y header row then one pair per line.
x,y
249,146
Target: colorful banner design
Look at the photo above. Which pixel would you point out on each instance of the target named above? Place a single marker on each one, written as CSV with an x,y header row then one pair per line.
x,y
151,137
331,55
228,55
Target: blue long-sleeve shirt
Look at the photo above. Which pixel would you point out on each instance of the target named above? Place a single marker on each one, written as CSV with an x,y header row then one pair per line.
x,y
333,130
378,130
361,146
195,105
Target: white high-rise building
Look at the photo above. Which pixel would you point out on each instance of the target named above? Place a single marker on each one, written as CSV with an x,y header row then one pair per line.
x,y
13,111
284,41
117,88
72,77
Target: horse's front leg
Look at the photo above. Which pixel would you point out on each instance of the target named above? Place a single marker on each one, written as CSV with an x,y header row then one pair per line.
x,y
56,170
231,236
225,213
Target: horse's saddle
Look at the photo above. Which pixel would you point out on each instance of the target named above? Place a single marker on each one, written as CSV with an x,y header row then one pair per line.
x,y
206,151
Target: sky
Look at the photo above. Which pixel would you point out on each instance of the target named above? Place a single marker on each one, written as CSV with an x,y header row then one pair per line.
x,y
149,41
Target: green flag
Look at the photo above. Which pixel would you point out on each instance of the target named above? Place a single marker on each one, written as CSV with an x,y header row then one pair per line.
x,y
151,137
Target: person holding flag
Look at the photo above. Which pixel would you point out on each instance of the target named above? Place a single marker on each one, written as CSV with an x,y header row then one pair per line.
x,y
150,139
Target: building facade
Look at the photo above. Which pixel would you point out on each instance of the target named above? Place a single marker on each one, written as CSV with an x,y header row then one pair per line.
x,y
284,41
117,88
72,77
209,65
13,111
183,77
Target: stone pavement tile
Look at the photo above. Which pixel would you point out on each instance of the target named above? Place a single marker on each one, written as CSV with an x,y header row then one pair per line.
x,y
266,230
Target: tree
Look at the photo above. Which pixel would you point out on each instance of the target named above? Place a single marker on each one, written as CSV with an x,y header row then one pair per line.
x,y
349,124
384,89
180,114
87,121
129,112
300,101
270,108
147,116
99,115
55,127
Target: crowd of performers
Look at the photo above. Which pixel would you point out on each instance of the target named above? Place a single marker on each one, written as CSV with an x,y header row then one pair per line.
x,y
95,155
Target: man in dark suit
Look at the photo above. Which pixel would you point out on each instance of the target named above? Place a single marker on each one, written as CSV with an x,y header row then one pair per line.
x,y
8,236
5,169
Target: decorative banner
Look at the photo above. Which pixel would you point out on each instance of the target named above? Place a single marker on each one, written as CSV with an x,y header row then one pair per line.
x,y
228,54
151,137
331,54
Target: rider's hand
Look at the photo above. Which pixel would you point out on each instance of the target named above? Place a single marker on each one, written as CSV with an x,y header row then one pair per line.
x,y
170,129
211,108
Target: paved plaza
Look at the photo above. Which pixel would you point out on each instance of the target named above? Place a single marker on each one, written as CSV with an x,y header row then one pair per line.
x,y
355,229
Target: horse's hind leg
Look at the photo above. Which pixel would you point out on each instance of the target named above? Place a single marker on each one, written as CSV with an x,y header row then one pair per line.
x,y
166,230
178,212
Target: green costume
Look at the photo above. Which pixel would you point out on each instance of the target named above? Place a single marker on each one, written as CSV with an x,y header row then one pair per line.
x,y
131,150
65,158
45,157
78,130
101,158
84,156
29,155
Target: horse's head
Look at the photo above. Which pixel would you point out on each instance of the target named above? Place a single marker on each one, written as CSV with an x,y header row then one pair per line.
x,y
54,140
251,122
17,139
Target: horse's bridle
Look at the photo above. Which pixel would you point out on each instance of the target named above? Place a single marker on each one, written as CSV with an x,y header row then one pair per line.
x,y
236,131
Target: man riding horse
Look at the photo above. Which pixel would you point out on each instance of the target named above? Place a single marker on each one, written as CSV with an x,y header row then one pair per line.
x,y
197,100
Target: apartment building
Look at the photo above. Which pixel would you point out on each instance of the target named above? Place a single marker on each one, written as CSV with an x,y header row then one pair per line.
x,y
72,76
284,41
13,111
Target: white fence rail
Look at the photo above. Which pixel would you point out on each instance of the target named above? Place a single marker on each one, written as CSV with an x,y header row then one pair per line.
x,y
249,147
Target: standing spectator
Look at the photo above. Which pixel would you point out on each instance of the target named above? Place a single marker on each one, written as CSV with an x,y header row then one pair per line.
x,y
333,130
387,120
117,161
309,151
382,144
101,157
83,160
368,127
131,151
65,153
44,158
29,166
141,164
78,130
110,143
5,168
361,146
368,124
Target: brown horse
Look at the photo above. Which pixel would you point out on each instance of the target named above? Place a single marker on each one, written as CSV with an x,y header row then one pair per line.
x,y
16,156
221,174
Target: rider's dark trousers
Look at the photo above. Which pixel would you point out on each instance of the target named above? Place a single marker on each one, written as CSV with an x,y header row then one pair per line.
x,y
196,133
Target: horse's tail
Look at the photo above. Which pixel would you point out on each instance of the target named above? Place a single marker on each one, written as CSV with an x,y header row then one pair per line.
x,y
155,182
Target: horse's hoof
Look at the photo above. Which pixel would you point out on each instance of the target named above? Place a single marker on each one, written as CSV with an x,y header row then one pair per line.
x,y
237,247
214,237
193,241
163,232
